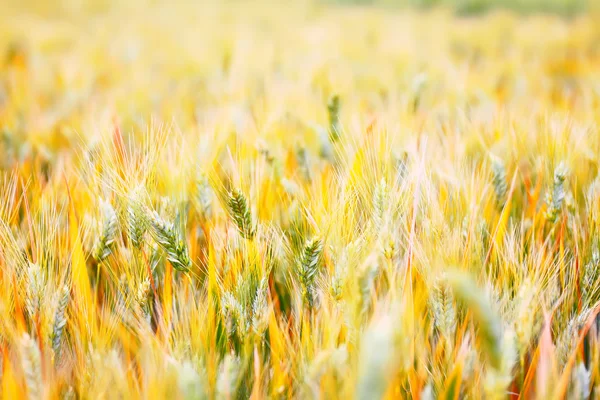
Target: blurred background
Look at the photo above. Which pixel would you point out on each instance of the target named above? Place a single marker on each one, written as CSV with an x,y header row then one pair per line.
x,y
71,66
464,7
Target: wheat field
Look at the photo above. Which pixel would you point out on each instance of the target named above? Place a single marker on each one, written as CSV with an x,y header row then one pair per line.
x,y
279,200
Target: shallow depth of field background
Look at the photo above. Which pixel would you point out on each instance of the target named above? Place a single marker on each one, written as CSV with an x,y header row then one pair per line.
x,y
299,199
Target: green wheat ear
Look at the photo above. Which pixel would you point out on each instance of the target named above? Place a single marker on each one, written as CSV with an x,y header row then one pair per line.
x,y
142,295
103,246
204,195
260,309
32,366
580,382
489,329
590,275
333,109
136,218
233,315
308,267
444,312
229,377
166,236
240,213
499,181
36,281
380,204
60,321
556,198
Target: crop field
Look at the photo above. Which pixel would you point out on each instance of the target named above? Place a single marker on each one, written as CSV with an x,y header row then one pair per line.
x,y
313,200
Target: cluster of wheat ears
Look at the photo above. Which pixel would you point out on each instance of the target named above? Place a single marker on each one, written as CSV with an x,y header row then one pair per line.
x,y
256,201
